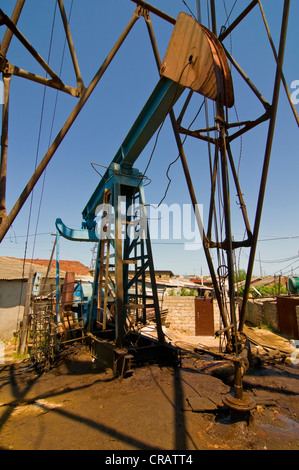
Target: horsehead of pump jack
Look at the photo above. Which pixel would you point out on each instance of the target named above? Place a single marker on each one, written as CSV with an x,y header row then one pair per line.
x,y
194,59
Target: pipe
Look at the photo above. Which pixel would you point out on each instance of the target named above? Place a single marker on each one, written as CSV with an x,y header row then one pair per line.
x,y
4,227
4,145
71,44
226,197
28,46
278,64
8,33
191,192
267,157
238,20
155,10
13,70
247,80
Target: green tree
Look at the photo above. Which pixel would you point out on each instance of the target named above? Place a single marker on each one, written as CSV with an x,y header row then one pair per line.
x,y
240,275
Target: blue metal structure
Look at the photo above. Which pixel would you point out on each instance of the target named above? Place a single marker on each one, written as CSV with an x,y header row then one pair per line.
x,y
57,275
154,112
121,179
209,75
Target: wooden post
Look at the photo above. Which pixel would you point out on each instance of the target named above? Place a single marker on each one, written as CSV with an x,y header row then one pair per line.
x,y
24,329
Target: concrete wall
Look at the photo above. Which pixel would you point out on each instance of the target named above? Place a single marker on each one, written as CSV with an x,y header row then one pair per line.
x,y
181,314
12,301
263,311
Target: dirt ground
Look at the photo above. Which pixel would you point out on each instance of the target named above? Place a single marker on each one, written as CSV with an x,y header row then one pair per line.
x,y
76,405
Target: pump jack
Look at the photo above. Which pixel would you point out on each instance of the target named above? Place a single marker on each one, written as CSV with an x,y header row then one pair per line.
x,y
194,59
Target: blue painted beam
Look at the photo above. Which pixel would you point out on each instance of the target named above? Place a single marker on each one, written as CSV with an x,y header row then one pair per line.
x,y
81,235
152,115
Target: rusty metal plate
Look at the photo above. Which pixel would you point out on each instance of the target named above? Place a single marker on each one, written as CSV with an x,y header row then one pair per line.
x,y
196,59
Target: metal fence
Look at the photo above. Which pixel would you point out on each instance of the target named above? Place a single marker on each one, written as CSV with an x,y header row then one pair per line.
x,y
56,317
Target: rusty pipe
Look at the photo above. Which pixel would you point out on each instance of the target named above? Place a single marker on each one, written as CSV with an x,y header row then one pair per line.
x,y
8,33
267,157
4,227
4,145
191,191
155,10
70,44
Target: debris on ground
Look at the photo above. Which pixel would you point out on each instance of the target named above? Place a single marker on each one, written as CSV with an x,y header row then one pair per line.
x,y
78,404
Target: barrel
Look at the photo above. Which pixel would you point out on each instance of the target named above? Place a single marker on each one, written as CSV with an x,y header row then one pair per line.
x,y
293,283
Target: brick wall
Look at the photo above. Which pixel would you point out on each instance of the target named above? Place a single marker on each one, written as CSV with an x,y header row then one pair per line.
x,y
181,314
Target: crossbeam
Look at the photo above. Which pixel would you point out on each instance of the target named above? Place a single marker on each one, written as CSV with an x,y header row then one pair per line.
x,y
152,115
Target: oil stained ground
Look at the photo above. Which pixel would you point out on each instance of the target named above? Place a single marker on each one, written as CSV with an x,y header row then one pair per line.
x,y
76,405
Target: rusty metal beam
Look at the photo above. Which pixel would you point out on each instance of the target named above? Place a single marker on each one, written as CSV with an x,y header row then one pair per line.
x,y
238,20
212,198
8,33
222,145
196,134
278,64
191,190
239,191
155,10
4,145
4,227
71,45
250,125
247,80
276,91
14,70
28,46
5,111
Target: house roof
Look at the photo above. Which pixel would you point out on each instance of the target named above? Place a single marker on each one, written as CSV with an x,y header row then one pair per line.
x,y
64,265
180,282
12,268
264,281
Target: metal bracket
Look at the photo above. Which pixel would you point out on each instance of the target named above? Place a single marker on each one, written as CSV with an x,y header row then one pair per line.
x,y
4,64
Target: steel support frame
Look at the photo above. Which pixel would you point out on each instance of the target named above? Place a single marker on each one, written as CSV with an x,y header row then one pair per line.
x,y
9,219
5,111
8,33
270,114
267,156
175,126
127,346
4,146
222,145
125,186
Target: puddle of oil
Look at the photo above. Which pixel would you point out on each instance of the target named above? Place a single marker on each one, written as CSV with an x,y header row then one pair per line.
x,y
290,431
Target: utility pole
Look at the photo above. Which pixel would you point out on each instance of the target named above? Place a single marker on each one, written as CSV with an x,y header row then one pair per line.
x,y
26,316
261,270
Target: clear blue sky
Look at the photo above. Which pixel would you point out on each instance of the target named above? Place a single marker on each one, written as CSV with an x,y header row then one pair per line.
x,y
112,109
